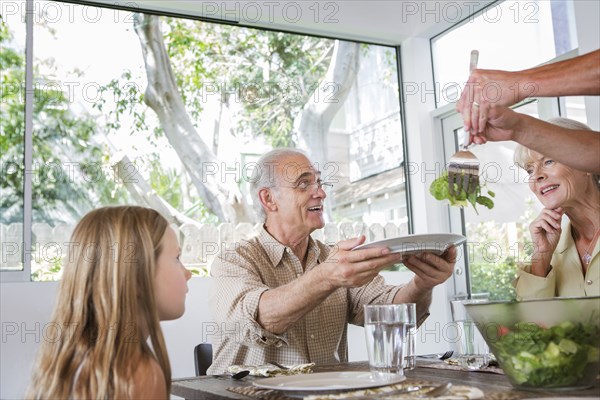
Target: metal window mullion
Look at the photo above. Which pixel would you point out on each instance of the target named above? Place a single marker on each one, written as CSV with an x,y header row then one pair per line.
x,y
460,285
405,155
28,152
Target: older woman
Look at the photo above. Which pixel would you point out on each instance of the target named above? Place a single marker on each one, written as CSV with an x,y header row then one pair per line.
x,y
565,261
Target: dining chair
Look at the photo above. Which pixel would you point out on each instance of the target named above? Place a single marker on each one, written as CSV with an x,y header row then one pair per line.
x,y
202,358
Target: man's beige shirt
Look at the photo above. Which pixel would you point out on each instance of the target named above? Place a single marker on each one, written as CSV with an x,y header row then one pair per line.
x,y
243,272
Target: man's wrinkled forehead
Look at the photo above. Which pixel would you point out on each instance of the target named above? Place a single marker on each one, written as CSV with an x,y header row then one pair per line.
x,y
295,168
293,172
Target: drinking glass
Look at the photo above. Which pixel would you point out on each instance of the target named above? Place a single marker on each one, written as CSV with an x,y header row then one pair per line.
x,y
385,331
411,337
473,352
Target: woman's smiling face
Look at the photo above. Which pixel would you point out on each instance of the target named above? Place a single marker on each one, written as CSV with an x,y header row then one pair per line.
x,y
553,183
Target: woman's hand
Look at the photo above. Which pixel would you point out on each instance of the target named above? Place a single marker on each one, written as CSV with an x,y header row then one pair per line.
x,y
545,233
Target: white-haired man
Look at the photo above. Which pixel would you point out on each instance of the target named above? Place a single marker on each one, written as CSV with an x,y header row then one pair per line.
x,y
285,297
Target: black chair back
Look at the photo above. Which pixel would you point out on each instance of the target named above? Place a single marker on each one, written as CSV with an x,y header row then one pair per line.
x,y
202,358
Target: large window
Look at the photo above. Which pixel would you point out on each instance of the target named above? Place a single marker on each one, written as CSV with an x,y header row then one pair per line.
x,y
509,35
498,239
171,113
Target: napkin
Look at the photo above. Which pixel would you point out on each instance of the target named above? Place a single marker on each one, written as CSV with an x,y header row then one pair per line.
x,y
492,366
272,370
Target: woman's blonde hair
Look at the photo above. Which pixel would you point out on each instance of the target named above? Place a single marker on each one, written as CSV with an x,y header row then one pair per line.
x,y
105,309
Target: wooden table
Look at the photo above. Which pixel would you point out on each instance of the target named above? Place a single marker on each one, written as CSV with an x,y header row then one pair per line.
x,y
493,385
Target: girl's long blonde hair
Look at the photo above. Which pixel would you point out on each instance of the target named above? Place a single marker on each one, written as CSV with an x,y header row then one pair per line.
x,y
105,309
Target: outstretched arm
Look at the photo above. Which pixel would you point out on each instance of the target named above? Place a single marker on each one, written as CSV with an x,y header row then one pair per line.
x,y
578,76
487,88
281,307
577,149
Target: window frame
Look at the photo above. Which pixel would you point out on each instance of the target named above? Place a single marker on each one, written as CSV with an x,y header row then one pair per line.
x,y
445,119
24,275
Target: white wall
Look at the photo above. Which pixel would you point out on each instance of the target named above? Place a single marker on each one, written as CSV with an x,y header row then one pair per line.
x,y
26,309
25,312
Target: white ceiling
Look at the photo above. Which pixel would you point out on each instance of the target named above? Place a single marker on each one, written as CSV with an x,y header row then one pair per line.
x,y
379,21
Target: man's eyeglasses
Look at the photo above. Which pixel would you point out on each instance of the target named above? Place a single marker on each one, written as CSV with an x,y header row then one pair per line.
x,y
304,186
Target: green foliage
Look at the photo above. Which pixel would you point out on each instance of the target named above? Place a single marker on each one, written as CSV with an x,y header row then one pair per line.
x,y
440,190
494,278
494,258
201,272
49,268
199,212
128,100
166,183
66,161
268,75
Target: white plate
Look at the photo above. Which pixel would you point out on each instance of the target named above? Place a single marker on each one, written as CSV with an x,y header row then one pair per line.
x,y
327,381
435,243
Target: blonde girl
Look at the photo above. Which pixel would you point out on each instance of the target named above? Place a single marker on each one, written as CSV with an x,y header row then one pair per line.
x,y
122,275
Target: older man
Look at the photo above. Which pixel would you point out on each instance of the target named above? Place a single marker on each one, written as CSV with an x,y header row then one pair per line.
x,y
285,297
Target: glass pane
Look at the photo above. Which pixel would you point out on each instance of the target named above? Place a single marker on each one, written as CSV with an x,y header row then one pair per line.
x,y
498,238
575,108
173,113
511,35
12,132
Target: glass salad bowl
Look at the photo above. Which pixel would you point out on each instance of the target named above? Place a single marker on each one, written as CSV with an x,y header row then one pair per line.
x,y
543,344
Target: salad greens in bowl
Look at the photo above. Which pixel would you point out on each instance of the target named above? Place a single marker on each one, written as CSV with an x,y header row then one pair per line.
x,y
543,344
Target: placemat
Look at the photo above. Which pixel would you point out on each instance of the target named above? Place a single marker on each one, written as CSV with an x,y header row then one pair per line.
x,y
457,392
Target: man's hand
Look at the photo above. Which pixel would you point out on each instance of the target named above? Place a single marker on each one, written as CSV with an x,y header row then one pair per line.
x,y
347,268
431,270
488,88
502,124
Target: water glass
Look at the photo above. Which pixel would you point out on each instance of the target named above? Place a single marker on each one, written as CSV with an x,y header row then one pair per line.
x,y
411,337
385,331
473,352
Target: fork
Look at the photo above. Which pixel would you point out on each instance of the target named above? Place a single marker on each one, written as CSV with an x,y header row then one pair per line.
x,y
442,356
438,390
283,367
463,166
